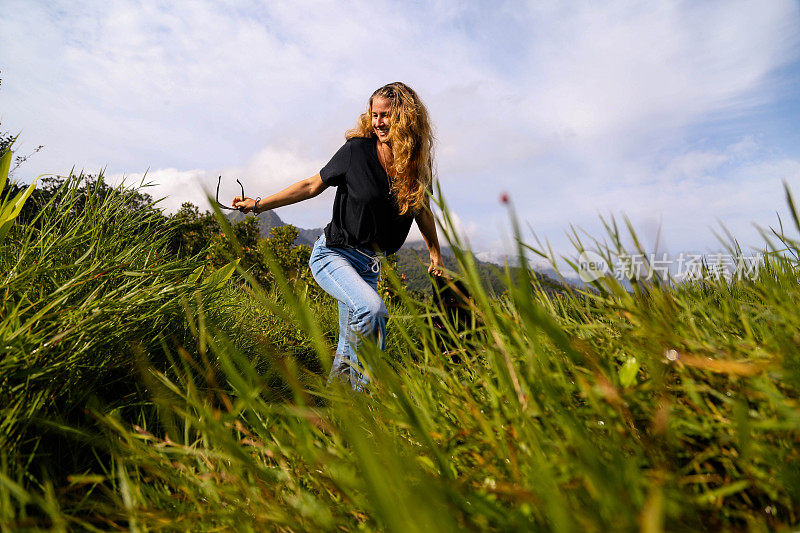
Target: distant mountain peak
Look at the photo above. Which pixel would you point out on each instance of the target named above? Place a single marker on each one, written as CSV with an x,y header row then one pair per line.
x,y
270,219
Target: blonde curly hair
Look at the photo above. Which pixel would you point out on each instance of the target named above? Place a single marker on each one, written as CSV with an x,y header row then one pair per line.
x,y
411,139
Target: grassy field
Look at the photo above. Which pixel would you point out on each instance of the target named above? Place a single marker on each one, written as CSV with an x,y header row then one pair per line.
x,y
140,391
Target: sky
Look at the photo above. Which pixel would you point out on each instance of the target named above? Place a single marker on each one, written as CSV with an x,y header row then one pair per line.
x,y
682,116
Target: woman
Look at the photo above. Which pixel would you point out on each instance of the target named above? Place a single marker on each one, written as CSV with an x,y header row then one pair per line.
x,y
383,175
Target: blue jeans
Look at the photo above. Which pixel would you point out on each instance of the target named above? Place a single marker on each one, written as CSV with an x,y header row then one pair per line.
x,y
351,276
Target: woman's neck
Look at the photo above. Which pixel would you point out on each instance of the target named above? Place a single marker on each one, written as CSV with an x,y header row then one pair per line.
x,y
385,156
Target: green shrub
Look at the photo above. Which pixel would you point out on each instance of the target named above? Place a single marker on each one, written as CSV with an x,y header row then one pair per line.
x,y
86,283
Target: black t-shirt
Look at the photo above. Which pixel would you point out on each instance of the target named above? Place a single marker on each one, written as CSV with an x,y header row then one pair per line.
x,y
365,210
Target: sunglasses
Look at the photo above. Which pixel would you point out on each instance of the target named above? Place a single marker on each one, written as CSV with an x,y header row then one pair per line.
x,y
221,206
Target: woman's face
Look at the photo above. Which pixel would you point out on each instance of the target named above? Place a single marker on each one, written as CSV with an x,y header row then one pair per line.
x,y
380,117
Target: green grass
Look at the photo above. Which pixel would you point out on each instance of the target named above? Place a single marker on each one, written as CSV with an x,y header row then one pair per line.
x,y
173,404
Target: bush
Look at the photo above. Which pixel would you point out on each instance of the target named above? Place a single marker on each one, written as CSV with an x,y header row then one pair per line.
x,y
88,282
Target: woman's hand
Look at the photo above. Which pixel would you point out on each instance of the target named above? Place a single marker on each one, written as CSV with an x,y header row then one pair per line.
x,y
245,204
427,226
437,265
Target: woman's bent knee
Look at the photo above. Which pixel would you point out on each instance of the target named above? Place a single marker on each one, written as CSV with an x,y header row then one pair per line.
x,y
373,307
367,317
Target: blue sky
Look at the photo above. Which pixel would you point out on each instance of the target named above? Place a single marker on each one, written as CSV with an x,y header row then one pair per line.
x,y
678,114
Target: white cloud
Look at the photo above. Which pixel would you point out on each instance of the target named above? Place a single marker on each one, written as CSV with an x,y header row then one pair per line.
x,y
690,196
270,169
170,184
572,108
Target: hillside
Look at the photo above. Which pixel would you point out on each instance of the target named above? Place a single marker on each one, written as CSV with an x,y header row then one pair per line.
x,y
148,390
412,260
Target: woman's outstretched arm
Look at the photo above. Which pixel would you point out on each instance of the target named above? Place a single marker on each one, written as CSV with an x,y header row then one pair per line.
x,y
427,226
297,192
